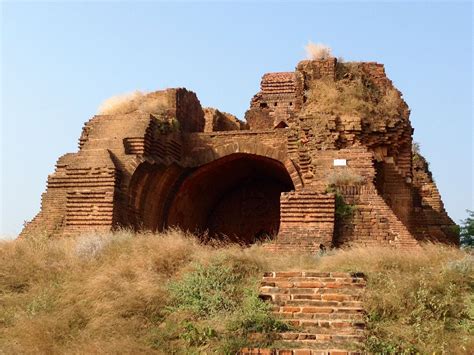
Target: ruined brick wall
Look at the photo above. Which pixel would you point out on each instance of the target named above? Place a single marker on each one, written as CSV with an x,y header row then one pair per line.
x,y
276,103
89,191
188,110
429,220
303,151
317,69
221,121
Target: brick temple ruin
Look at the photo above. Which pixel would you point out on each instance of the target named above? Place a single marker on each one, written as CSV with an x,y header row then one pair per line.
x,y
317,162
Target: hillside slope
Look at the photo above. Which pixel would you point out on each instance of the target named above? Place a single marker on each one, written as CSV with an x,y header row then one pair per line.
x,y
167,293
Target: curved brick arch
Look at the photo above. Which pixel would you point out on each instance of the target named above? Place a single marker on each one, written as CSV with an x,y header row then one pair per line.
x,y
211,154
236,197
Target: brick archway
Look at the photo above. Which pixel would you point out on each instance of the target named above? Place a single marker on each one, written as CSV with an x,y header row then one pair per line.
x,y
236,197
205,156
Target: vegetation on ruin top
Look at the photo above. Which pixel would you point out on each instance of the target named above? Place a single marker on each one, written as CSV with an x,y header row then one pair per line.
x,y
167,293
354,93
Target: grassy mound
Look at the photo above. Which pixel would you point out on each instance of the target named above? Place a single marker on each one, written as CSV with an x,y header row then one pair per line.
x,y
167,293
354,93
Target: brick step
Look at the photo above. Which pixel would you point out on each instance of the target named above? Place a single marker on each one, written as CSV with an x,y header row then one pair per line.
x,y
312,277
307,310
321,338
313,289
347,317
332,325
312,284
340,297
316,303
302,351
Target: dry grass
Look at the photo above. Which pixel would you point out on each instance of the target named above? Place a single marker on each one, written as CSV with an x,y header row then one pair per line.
x,y
418,301
136,101
121,104
344,177
354,94
317,51
126,293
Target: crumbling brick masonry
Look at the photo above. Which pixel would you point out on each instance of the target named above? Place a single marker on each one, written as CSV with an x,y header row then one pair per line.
x,y
324,159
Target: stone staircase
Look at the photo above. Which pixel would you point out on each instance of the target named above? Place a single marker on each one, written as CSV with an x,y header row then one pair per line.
x,y
325,312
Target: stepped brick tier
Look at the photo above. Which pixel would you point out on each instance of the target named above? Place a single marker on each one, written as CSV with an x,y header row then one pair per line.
x,y
302,156
325,310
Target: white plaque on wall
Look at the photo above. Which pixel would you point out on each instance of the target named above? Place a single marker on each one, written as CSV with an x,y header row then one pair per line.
x,y
340,162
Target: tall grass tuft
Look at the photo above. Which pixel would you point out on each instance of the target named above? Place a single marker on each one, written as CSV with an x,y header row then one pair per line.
x,y
317,51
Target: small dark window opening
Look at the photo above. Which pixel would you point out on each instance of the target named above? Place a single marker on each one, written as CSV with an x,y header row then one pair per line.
x,y
263,105
282,124
275,104
291,103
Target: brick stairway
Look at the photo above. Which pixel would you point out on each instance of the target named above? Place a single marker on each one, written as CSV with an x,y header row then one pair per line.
x,y
324,309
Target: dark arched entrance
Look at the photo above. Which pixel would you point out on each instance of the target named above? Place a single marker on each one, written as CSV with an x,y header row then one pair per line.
x,y
237,196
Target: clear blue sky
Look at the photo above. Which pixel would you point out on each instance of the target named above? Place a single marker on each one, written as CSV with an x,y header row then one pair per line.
x,y
59,61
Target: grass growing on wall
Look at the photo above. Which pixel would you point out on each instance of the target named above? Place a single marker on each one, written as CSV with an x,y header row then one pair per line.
x,y
353,93
167,293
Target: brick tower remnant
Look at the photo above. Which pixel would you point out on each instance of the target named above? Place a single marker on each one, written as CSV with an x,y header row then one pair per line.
x,y
324,159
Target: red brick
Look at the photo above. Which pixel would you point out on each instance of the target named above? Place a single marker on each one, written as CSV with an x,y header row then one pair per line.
x,y
288,274
284,284
309,284
285,352
316,310
302,352
333,297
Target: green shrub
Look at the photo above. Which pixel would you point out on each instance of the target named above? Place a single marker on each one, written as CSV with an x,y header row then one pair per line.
x,y
206,291
344,210
255,316
466,230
